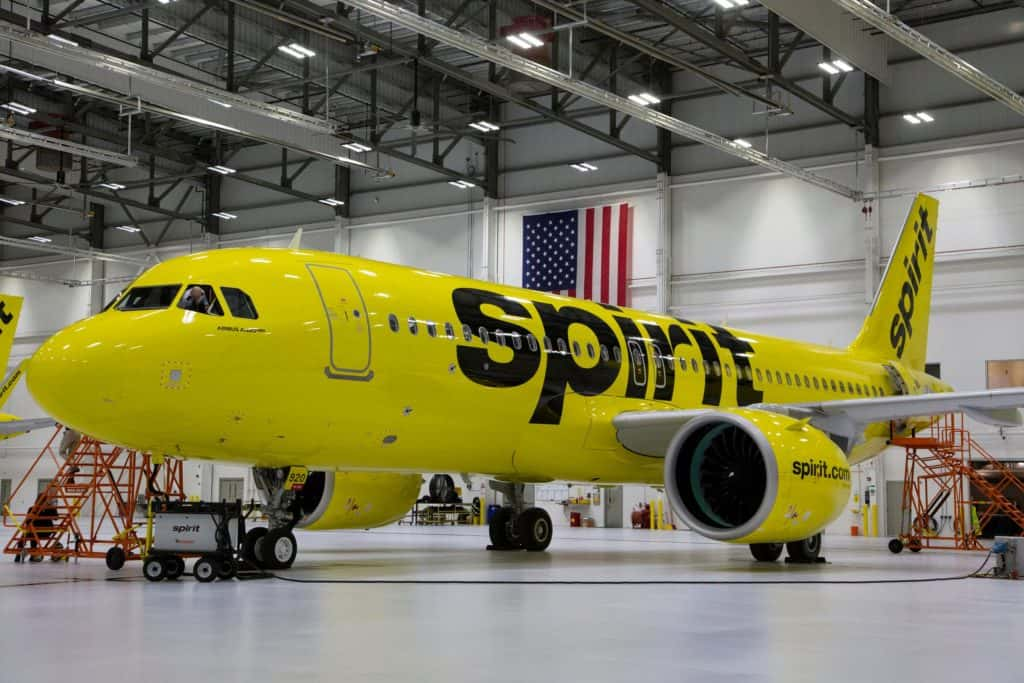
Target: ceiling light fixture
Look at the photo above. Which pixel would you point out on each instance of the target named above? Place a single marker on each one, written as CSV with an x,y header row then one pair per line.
x,y
524,41
910,118
464,184
484,126
533,40
11,202
18,108
358,147
40,239
584,167
842,65
291,52
517,41
223,170
828,68
219,103
740,142
127,228
60,39
112,186
331,201
732,4
644,99
225,215
925,116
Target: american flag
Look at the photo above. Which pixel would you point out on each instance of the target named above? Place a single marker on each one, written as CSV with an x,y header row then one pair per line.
x,y
581,253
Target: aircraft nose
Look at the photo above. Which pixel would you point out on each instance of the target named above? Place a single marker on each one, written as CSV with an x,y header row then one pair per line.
x,y
71,376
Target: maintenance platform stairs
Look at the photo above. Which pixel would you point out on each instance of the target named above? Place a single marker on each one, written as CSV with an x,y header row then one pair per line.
x,y
90,506
943,466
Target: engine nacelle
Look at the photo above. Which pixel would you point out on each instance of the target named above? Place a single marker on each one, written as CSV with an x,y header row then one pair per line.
x,y
356,500
751,476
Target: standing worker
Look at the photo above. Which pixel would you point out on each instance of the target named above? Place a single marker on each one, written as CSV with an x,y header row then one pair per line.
x,y
68,443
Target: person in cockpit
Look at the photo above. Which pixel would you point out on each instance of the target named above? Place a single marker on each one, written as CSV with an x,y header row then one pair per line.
x,y
195,300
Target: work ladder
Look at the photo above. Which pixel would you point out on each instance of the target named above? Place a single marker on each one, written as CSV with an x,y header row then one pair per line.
x,y
941,467
90,504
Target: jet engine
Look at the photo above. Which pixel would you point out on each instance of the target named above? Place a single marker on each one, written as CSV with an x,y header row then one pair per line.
x,y
751,476
356,500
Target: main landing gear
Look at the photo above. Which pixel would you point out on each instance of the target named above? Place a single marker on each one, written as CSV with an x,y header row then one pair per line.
x,y
807,551
514,528
274,547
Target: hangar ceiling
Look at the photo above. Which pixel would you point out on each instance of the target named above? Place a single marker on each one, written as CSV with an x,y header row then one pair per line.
x,y
183,86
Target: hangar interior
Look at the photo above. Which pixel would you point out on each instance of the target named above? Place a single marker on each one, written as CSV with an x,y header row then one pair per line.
x,y
138,131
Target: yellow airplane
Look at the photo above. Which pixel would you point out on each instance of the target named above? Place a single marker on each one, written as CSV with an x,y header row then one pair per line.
x,y
342,379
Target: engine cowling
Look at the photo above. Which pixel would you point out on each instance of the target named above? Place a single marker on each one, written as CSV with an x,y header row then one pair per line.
x,y
751,476
356,500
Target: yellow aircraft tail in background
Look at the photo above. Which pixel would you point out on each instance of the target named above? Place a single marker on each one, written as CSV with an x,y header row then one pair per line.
x,y
897,325
10,312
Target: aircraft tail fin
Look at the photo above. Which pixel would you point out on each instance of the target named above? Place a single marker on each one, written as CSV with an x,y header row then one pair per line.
x,y
296,242
897,325
10,313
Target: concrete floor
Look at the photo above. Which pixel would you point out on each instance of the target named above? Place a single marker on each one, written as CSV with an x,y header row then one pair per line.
x,y
61,621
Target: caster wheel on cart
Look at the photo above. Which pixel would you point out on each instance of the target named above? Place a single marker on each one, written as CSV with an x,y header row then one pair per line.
x,y
205,570
249,544
154,569
277,549
915,545
895,546
174,567
57,558
227,569
116,558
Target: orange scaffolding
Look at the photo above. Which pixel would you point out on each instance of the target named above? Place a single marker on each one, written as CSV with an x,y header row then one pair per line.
x,y
89,506
941,468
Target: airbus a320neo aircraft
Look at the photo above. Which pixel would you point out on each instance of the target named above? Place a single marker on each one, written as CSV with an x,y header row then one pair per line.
x,y
352,377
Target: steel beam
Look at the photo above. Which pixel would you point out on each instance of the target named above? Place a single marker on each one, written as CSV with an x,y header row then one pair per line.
x,y
499,55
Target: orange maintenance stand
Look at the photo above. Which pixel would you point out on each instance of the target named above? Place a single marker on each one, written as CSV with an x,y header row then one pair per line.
x,y
89,508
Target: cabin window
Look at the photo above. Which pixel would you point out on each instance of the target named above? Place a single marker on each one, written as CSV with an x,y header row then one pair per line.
x,y
789,379
768,374
816,385
393,322
807,381
796,379
748,374
693,364
859,390
616,354
517,340
832,383
604,353
531,343
561,346
499,337
716,368
728,370
449,331
778,378
660,375
759,377
432,329
467,333
200,299
239,303
639,364
148,298
682,363
842,386
414,325
707,369
485,336
590,350
576,349
547,344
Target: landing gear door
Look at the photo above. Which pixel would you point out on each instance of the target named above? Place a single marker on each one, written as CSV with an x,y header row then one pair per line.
x,y
347,322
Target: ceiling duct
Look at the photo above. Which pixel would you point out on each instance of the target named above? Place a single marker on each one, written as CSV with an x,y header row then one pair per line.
x,y
24,137
504,57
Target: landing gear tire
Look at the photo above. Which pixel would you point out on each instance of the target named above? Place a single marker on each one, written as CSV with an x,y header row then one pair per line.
x,y
153,569
504,530
227,569
116,558
535,529
895,546
766,552
277,549
174,567
205,570
806,550
249,544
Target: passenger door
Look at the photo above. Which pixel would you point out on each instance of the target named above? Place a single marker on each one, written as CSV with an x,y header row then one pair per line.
x,y
347,322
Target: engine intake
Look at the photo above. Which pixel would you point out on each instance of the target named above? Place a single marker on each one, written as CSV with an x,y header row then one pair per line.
x,y
356,500
751,476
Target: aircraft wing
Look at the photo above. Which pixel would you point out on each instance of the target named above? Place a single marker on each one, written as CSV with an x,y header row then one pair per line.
x,y
10,427
649,432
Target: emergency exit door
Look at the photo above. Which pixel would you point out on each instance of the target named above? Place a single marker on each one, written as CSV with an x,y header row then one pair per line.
x,y
347,321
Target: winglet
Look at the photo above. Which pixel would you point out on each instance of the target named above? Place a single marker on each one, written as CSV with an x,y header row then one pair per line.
x,y
296,242
7,388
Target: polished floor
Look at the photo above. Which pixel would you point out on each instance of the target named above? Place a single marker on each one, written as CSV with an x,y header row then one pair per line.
x,y
70,622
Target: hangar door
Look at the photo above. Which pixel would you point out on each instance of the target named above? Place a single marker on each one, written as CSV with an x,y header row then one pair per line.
x,y
349,348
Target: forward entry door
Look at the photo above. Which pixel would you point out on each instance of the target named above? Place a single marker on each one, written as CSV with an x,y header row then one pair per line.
x,y
347,321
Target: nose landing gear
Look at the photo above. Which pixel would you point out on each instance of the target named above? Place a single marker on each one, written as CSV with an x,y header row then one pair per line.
x,y
274,547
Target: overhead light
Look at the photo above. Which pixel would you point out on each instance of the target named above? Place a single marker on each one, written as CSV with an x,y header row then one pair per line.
x,y
740,142
127,228
584,167
112,186
11,202
223,170
518,42
18,108
40,239
730,4
533,40
63,41
23,74
828,68
219,103
842,65
464,184
358,147
27,137
225,215
302,50
910,118
164,2
484,126
644,99
290,52
925,116
331,201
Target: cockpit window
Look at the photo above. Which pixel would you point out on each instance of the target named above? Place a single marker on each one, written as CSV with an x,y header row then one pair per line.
x,y
239,303
148,298
200,299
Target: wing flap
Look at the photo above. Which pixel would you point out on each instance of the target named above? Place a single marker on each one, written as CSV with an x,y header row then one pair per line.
x,y
648,432
11,427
